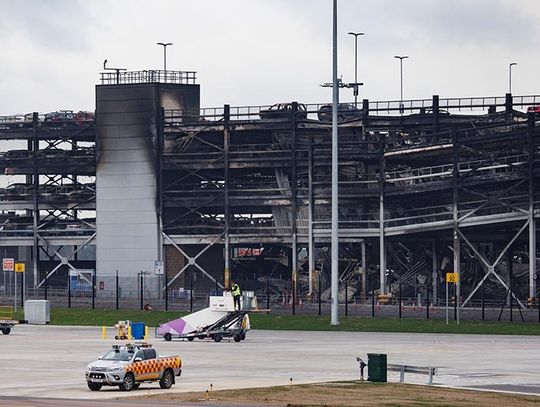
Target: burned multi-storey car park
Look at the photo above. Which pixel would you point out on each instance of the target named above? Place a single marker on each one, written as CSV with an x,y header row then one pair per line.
x,y
244,193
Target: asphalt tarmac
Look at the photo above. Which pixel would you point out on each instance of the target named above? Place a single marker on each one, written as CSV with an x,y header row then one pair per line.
x,y
48,362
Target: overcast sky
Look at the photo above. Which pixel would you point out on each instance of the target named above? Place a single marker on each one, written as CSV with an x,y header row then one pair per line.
x,y
251,52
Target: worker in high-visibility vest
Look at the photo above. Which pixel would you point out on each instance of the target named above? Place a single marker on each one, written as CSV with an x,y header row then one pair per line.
x,y
236,293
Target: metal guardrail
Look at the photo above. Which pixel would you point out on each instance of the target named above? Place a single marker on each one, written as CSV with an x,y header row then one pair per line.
x,y
430,371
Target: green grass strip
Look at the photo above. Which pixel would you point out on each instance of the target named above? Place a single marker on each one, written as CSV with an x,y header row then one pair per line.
x,y
99,317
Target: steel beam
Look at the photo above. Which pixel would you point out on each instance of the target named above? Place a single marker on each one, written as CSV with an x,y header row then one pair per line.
x,y
364,270
382,247
455,214
435,270
311,203
532,221
294,182
226,209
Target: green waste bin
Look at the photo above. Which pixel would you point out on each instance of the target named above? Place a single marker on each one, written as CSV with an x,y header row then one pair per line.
x,y
377,367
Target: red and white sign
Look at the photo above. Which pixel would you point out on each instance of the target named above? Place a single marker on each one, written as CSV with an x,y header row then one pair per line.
x,y
8,264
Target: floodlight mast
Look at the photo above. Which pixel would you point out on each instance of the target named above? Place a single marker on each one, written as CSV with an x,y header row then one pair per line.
x,y
334,320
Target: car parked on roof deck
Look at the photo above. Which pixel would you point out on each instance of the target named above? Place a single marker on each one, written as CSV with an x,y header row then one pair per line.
x,y
282,111
59,115
82,117
346,112
534,109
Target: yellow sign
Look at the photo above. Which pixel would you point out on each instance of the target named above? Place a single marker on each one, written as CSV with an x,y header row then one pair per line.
x,y
19,267
451,277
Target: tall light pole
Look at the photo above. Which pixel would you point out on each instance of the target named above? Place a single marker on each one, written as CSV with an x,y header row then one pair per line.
x,y
356,66
334,317
510,76
165,45
401,58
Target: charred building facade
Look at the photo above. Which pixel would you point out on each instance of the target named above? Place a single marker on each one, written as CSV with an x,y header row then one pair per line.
x,y
244,193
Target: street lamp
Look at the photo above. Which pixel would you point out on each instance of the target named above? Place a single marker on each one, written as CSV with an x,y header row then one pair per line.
x,y
401,58
355,66
165,45
510,76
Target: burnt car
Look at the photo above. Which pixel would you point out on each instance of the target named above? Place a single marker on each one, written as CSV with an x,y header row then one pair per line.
x,y
83,117
49,153
16,191
81,152
282,111
58,116
29,118
346,112
17,154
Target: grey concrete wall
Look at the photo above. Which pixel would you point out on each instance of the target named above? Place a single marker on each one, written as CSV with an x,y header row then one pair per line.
x,y
126,220
127,215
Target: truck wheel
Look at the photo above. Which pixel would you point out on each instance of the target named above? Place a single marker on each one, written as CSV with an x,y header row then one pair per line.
x,y
6,331
94,386
237,338
167,337
217,338
167,380
190,338
116,337
129,382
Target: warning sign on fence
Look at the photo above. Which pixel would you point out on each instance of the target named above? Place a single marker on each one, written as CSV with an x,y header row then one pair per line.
x,y
8,264
19,267
451,277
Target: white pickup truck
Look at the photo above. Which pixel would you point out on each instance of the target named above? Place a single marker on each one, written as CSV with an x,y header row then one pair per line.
x,y
127,366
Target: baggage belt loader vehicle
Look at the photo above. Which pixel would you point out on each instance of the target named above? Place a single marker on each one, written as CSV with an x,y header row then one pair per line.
x,y
220,320
127,366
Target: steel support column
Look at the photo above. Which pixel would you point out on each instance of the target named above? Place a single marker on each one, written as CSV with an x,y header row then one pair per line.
x,y
382,247
435,271
226,215
311,204
364,271
160,147
455,215
35,194
532,256
532,221
293,183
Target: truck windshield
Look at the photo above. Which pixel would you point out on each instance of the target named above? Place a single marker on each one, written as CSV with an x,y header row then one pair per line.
x,y
120,354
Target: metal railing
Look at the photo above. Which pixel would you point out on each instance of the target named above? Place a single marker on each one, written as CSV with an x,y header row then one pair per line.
x,y
148,76
475,105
